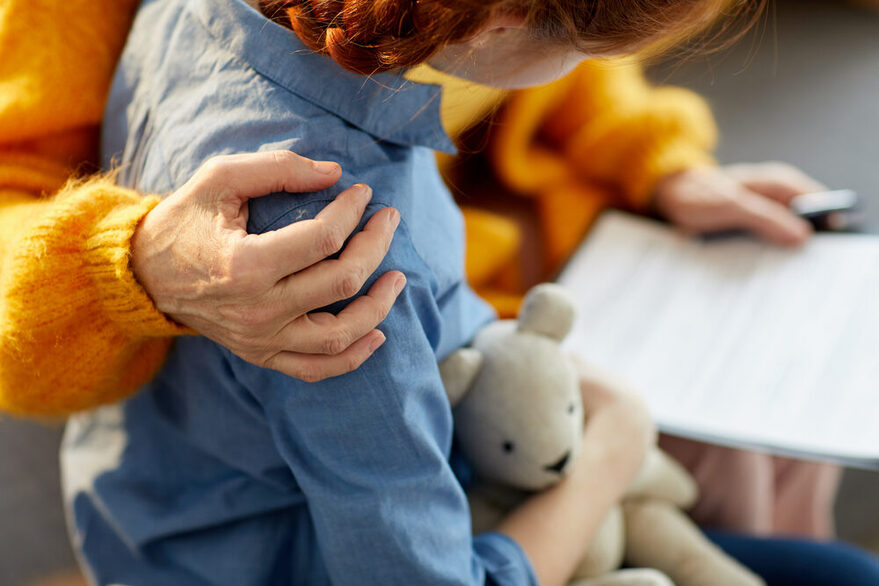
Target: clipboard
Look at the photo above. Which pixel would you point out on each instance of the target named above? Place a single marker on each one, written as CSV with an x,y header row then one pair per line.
x,y
736,342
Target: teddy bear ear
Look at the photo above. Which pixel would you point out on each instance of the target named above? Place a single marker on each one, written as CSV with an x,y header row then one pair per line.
x,y
458,372
548,310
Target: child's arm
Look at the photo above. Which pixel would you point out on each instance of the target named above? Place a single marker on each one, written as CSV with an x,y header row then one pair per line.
x,y
556,527
369,450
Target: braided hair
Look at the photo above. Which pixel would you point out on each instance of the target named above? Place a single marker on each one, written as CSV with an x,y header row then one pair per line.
x,y
372,36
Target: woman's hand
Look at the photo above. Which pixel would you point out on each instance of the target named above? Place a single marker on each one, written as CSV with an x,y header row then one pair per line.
x,y
252,293
738,197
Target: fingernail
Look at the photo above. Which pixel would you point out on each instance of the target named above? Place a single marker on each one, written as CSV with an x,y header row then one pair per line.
x,y
377,341
326,167
363,190
399,284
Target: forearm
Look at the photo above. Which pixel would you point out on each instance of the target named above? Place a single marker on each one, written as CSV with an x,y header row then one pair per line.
x,y
76,330
556,527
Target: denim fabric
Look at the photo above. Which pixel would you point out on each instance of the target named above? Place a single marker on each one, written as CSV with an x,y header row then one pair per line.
x,y
801,562
220,472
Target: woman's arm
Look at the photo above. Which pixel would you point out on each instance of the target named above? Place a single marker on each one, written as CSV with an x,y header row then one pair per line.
x,y
648,148
80,271
77,328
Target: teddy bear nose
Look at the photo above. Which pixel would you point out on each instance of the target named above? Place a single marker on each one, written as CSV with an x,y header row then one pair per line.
x,y
560,465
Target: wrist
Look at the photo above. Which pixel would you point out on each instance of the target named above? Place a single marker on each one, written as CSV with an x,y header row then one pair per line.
x,y
665,193
151,260
141,255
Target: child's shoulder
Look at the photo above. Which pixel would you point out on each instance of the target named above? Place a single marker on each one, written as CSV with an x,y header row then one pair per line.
x,y
219,76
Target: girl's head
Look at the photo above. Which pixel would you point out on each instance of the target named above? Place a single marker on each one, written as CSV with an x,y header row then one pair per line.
x,y
503,42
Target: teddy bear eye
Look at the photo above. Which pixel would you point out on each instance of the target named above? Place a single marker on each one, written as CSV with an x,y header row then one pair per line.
x,y
509,446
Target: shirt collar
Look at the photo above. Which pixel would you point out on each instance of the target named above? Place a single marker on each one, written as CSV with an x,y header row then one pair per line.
x,y
386,105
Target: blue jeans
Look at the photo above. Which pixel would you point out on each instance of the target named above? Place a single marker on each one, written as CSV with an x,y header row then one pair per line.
x,y
801,562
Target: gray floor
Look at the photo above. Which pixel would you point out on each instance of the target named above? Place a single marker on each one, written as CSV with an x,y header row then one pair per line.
x,y
808,95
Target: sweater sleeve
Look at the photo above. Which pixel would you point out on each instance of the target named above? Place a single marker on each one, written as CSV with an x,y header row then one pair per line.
x,y
76,329
606,125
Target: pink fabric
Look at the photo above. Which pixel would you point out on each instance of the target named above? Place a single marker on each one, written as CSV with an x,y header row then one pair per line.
x,y
757,493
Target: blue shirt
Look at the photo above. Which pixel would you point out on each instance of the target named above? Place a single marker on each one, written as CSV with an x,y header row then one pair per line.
x,y
220,472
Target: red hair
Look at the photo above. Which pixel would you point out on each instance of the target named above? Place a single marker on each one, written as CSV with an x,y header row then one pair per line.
x,y
370,36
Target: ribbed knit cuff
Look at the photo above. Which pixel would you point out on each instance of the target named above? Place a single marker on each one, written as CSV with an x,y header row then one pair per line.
x,y
106,260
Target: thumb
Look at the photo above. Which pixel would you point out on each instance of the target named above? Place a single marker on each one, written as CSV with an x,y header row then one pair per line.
x,y
255,174
771,220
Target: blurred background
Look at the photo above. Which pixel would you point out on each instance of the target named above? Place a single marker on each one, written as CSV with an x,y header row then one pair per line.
x,y
805,90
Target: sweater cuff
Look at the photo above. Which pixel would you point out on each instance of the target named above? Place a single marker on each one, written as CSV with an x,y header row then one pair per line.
x,y
672,157
106,261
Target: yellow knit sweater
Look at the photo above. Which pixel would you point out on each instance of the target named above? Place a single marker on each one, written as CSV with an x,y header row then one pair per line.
x,y
76,330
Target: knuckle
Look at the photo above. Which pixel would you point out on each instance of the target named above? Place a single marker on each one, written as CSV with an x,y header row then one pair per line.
x,y
284,159
381,310
265,360
348,284
216,167
310,374
226,269
352,363
332,238
336,343
238,274
238,343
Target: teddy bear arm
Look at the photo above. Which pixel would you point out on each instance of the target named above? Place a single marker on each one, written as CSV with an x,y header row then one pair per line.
x,y
660,536
605,553
663,478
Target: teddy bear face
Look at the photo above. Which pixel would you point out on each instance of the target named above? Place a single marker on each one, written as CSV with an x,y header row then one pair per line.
x,y
521,421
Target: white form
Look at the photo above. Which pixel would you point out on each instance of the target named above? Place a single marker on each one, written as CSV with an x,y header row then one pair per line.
x,y
737,342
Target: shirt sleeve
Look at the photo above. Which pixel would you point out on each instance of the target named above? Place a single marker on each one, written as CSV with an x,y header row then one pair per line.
x,y
370,451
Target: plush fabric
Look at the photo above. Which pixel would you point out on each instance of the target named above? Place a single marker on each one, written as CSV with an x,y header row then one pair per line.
x,y
519,420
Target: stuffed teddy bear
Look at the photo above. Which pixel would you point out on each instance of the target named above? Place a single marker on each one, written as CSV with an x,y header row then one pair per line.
x,y
519,419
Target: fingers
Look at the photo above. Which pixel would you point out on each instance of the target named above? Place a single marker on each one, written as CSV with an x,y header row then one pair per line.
x,y
255,174
316,367
282,252
778,181
337,279
325,333
769,219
